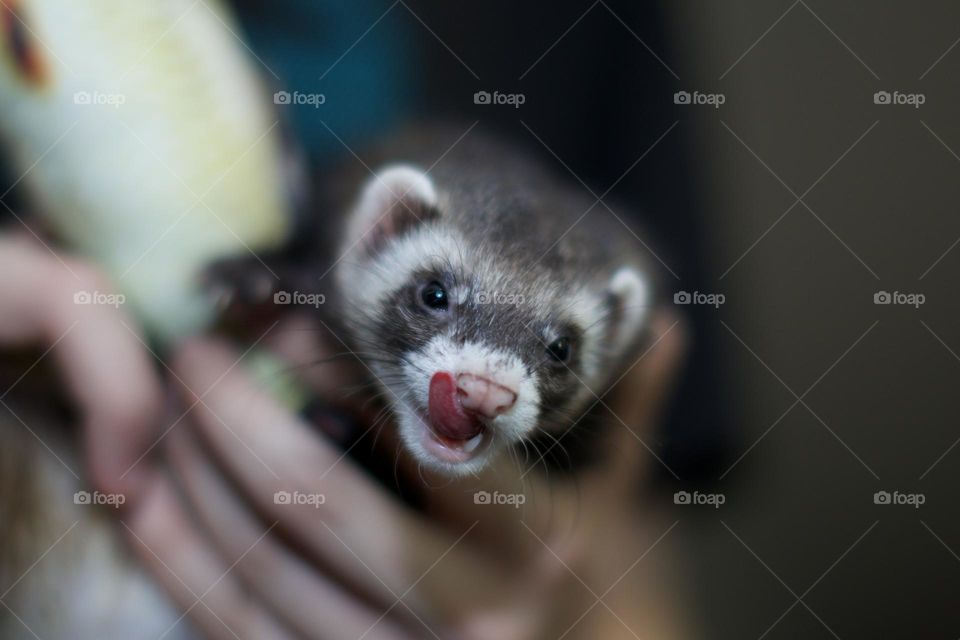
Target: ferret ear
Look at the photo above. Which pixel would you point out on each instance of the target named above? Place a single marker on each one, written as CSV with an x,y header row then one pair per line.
x,y
629,301
397,199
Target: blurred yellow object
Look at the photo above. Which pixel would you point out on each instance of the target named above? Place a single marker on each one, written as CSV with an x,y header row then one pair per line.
x,y
146,142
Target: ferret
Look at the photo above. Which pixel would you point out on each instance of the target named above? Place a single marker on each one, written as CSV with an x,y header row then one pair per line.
x,y
491,301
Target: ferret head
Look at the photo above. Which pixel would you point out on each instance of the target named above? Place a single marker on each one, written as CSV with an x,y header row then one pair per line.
x,y
476,346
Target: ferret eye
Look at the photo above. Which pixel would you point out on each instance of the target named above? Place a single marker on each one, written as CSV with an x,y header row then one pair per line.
x,y
559,349
434,296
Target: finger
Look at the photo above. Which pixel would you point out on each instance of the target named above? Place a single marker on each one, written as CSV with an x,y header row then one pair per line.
x,y
108,371
191,571
300,594
648,381
359,531
638,399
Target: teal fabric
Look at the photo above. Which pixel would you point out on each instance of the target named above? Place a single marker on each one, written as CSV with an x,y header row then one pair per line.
x,y
319,47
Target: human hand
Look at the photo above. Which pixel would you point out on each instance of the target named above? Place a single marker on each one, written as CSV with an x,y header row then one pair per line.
x,y
106,369
356,563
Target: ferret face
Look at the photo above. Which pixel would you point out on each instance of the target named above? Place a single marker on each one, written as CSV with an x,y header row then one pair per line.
x,y
475,350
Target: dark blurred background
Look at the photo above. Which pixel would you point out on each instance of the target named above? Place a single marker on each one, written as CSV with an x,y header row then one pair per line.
x,y
798,198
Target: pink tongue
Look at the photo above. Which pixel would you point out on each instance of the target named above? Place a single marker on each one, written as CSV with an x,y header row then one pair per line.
x,y
447,417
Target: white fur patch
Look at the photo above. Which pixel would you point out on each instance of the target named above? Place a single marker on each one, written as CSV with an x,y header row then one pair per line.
x,y
373,278
634,293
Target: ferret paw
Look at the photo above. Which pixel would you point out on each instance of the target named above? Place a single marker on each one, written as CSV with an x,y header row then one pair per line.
x,y
239,281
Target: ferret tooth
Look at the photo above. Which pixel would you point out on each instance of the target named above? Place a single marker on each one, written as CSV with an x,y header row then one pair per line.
x,y
473,443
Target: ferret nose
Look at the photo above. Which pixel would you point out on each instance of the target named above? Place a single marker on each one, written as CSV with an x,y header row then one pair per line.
x,y
484,396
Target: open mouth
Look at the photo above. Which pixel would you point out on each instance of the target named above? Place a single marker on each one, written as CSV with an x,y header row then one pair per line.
x,y
450,433
450,448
